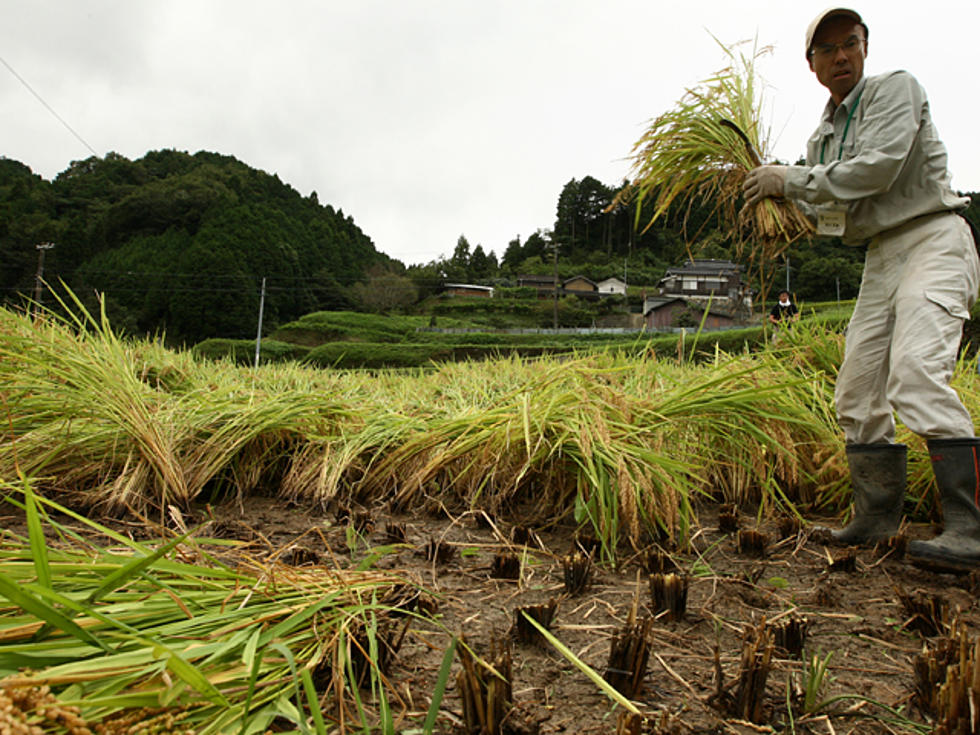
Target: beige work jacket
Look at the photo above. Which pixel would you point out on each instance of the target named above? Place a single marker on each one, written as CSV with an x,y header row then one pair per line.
x,y
886,166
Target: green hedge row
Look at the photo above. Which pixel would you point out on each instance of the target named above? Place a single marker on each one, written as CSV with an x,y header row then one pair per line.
x,y
242,351
420,349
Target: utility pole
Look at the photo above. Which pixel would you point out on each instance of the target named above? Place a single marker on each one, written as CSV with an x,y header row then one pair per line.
x,y
258,337
42,248
787,273
554,258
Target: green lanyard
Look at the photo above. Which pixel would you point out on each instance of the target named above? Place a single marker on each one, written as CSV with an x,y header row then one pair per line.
x,y
847,126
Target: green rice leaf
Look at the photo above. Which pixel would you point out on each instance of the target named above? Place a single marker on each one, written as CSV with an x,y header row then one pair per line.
x,y
189,673
285,703
248,653
286,708
173,693
313,702
440,689
39,548
134,568
260,721
30,604
253,675
604,685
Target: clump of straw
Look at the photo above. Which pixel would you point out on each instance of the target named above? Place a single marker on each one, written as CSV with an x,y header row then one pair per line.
x,y
102,637
702,149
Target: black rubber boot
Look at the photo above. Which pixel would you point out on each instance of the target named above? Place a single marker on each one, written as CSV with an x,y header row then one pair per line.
x,y
957,548
878,479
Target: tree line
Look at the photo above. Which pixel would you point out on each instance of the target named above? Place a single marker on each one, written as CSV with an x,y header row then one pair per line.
x,y
178,244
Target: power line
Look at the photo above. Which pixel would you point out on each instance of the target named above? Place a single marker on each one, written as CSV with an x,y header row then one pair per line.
x,y
292,279
47,106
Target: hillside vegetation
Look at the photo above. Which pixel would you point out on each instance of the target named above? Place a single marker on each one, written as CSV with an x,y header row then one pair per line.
x,y
179,243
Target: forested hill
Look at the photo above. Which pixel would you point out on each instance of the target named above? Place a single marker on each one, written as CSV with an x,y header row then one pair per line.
x,y
180,242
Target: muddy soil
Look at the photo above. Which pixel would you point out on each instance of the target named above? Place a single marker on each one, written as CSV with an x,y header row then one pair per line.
x,y
848,601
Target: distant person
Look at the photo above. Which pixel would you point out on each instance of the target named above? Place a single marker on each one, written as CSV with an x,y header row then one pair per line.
x,y
875,176
784,310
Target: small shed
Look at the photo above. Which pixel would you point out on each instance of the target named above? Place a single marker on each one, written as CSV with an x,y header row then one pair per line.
x,y
612,286
579,284
659,312
662,312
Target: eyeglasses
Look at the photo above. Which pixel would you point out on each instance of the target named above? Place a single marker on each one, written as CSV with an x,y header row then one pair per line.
x,y
829,50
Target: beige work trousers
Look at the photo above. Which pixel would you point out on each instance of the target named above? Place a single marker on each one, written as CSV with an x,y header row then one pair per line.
x,y
919,283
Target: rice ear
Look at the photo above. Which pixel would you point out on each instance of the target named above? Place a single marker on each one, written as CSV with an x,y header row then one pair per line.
x,y
702,149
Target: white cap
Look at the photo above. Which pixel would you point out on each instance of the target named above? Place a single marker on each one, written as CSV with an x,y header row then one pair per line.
x,y
811,30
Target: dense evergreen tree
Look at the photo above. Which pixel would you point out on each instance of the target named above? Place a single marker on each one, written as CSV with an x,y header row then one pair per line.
x,y
180,243
582,224
27,218
512,256
482,265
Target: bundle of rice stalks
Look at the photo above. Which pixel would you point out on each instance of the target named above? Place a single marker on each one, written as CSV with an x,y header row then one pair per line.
x,y
703,148
138,631
82,411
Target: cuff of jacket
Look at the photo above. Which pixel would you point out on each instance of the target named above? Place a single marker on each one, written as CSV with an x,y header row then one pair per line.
x,y
794,184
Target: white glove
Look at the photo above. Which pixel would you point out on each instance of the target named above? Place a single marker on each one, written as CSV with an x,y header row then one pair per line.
x,y
762,182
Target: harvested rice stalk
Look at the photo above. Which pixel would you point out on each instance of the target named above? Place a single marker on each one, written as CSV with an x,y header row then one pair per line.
x,y
629,724
395,533
728,521
524,536
505,566
703,148
668,594
486,687
925,612
527,632
947,681
441,552
751,542
788,526
657,561
628,656
577,572
113,631
587,543
789,635
844,562
750,692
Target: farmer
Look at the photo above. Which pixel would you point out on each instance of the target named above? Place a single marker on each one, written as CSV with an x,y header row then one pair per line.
x,y
876,176
784,310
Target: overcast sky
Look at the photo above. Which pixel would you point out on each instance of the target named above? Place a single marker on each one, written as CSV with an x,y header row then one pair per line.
x,y
430,119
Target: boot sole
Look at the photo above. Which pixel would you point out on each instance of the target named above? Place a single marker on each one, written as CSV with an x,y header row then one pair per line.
x,y
825,535
937,563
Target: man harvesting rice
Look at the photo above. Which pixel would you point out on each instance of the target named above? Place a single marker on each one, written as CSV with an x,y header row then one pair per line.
x,y
876,175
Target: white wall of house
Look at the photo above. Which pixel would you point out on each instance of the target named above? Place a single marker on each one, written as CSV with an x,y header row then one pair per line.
x,y
612,285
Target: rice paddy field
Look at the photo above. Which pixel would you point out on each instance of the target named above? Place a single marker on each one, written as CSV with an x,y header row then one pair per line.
x,y
593,543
